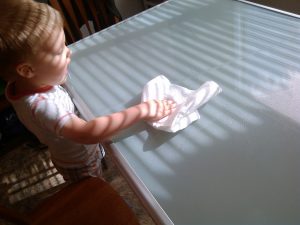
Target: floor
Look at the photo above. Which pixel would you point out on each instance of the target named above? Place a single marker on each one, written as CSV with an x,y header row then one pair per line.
x,y
27,176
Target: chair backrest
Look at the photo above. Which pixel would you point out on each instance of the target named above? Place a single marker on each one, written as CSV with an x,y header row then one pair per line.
x,y
89,202
88,15
151,3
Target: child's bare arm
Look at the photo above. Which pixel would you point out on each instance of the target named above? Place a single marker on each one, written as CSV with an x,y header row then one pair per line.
x,y
90,132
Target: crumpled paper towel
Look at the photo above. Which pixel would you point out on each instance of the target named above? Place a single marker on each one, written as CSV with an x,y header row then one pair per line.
x,y
188,101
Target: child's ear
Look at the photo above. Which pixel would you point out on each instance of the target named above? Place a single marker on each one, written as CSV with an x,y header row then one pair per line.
x,y
25,70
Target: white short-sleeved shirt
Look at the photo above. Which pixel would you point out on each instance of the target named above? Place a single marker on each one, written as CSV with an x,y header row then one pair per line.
x,y
44,112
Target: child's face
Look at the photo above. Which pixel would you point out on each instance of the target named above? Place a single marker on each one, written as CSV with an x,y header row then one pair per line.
x,y
50,64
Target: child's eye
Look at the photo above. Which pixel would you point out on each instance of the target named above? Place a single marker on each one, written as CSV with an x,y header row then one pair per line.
x,y
59,52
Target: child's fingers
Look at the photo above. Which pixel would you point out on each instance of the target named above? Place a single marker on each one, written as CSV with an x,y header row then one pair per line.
x,y
164,108
159,109
169,104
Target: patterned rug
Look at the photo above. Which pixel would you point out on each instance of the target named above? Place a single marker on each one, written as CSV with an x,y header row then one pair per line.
x,y
27,176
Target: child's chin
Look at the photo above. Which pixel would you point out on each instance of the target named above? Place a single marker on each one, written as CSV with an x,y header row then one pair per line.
x,y
64,79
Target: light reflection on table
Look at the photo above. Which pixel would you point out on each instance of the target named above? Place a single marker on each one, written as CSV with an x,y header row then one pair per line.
x,y
240,163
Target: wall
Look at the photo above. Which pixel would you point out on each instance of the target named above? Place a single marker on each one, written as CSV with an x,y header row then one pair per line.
x,y
292,6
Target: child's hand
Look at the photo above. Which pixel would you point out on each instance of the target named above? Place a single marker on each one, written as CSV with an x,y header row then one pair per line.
x,y
158,109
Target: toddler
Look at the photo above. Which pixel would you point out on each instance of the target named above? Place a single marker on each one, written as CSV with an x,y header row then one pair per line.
x,y
34,62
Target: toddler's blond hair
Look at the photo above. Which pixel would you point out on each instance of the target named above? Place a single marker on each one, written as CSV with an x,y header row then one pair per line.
x,y
24,27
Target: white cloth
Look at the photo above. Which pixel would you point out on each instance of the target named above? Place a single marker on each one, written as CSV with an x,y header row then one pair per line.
x,y
188,101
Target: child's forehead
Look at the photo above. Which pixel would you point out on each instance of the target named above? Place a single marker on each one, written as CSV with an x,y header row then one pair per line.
x,y
55,39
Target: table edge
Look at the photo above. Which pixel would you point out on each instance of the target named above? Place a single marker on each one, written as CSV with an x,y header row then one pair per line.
x,y
158,215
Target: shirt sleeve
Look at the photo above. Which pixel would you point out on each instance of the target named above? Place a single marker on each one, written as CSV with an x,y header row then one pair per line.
x,y
50,115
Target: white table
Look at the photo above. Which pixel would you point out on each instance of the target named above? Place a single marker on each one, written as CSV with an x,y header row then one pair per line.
x,y
238,164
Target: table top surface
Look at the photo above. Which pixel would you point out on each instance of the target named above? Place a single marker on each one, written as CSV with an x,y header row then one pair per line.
x,y
238,164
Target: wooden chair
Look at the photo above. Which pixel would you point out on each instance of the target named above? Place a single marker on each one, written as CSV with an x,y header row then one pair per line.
x,y
150,3
84,13
89,202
